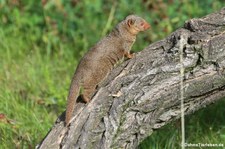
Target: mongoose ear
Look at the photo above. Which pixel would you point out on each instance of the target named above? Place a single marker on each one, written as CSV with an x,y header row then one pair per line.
x,y
130,22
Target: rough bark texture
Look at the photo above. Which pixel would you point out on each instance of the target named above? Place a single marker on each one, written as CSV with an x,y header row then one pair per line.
x,y
143,94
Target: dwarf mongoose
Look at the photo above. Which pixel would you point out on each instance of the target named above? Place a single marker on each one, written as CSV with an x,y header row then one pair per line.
x,y
100,59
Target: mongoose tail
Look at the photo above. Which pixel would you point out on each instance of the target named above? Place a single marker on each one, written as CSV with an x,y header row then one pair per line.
x,y
72,97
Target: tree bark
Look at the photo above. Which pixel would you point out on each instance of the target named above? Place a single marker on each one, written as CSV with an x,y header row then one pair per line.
x,y
143,94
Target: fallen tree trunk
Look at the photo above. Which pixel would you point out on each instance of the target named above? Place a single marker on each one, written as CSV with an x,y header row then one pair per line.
x,y
143,94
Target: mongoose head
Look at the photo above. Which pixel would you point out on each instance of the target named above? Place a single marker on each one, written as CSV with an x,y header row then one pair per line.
x,y
136,24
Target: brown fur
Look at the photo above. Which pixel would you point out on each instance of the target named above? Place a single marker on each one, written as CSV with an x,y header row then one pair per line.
x,y
100,59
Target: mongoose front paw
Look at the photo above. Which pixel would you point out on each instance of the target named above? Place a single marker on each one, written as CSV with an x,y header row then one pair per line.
x,y
128,55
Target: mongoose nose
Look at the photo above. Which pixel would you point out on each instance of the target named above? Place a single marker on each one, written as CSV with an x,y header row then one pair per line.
x,y
147,26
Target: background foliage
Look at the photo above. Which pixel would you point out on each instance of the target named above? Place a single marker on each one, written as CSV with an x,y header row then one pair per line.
x,y
42,42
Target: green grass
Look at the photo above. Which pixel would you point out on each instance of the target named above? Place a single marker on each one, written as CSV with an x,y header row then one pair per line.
x,y
41,46
205,126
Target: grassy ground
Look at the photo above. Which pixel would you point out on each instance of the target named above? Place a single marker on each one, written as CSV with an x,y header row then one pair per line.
x,y
40,46
205,126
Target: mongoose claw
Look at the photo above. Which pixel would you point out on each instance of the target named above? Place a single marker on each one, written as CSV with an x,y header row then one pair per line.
x,y
128,55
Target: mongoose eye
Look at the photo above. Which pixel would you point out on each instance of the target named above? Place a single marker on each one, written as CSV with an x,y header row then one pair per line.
x,y
142,23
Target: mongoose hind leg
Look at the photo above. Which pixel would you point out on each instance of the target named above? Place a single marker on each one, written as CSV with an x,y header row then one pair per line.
x,y
85,98
87,93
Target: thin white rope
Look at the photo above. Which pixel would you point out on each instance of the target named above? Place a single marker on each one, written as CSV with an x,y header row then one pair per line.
x,y
182,42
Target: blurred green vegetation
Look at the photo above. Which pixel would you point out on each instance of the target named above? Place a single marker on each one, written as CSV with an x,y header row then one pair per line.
x,y
42,42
